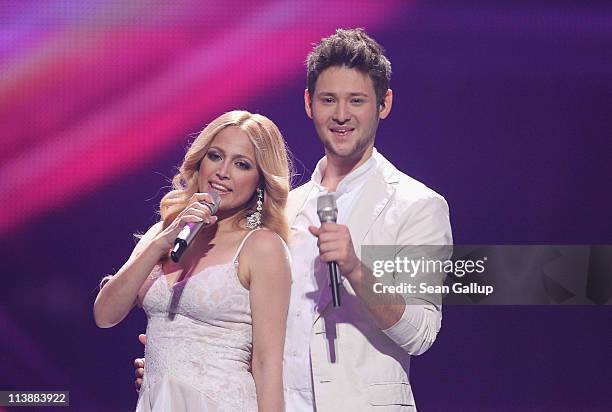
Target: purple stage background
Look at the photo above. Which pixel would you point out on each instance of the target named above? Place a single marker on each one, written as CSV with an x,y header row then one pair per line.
x,y
505,109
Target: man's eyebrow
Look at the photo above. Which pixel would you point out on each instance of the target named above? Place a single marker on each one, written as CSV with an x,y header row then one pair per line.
x,y
324,93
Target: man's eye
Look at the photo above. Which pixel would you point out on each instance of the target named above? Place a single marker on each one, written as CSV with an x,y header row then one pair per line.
x,y
328,100
357,101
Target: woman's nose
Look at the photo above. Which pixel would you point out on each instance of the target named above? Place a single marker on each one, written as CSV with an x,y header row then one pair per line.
x,y
223,171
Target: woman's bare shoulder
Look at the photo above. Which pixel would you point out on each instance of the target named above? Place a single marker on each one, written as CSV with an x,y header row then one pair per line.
x,y
265,241
267,257
265,249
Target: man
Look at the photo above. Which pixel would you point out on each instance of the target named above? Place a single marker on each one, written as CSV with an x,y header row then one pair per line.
x,y
357,356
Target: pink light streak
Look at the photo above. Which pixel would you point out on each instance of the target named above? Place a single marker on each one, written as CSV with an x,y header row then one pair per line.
x,y
100,124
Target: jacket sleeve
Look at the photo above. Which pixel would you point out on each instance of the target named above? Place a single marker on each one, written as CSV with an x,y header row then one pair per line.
x,y
424,231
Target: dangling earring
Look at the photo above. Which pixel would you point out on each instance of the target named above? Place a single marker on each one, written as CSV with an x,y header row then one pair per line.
x,y
254,219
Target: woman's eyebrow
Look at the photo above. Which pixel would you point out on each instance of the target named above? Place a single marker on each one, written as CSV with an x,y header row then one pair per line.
x,y
233,156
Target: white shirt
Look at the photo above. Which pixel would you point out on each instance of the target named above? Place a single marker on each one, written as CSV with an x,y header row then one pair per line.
x,y
309,276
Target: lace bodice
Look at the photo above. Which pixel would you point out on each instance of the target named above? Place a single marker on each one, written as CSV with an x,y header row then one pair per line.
x,y
199,333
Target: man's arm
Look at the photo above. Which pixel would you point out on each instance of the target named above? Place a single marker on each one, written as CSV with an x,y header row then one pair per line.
x,y
411,322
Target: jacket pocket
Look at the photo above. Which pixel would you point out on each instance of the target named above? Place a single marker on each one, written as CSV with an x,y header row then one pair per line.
x,y
390,393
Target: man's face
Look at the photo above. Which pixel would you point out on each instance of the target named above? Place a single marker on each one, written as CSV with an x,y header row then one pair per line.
x,y
345,112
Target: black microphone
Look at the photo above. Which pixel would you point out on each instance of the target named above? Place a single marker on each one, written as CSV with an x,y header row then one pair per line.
x,y
328,212
190,231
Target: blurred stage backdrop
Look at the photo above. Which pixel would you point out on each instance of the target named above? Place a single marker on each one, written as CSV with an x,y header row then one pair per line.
x,y
504,108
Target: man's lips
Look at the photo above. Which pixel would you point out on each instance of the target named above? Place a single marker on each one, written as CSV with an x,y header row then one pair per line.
x,y
342,131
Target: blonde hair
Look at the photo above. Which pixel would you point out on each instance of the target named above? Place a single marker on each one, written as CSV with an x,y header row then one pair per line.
x,y
273,164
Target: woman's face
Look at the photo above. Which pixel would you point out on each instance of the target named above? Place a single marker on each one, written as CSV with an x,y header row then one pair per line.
x,y
230,169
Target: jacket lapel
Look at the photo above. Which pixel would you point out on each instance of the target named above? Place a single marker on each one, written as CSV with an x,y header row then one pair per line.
x,y
375,196
296,200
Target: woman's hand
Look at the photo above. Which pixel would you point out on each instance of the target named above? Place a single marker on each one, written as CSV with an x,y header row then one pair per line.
x,y
195,211
119,295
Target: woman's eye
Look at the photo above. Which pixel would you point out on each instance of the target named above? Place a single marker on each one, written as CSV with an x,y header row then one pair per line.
x,y
213,156
243,165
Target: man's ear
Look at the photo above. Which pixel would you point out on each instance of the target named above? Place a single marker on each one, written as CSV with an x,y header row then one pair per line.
x,y
385,106
307,103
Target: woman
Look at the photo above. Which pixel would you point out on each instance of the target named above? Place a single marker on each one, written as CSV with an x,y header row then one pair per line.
x,y
216,319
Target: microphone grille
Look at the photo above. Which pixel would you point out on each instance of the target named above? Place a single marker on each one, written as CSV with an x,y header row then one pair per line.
x,y
216,199
326,208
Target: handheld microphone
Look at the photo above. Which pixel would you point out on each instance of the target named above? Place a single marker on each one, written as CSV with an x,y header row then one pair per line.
x,y
328,212
190,231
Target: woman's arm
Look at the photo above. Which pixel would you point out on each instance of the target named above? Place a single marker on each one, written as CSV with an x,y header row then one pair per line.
x,y
119,294
270,283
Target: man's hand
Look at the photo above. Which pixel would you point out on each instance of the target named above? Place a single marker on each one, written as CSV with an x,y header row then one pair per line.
x,y
335,245
139,364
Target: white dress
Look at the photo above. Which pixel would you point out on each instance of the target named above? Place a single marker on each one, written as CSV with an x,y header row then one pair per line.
x,y
199,342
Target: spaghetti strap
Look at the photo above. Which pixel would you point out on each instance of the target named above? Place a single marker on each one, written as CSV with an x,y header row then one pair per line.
x,y
235,259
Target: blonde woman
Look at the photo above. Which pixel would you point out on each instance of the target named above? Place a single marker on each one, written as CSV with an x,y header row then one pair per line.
x,y
216,319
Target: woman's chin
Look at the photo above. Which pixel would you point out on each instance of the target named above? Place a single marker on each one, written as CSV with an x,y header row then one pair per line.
x,y
228,211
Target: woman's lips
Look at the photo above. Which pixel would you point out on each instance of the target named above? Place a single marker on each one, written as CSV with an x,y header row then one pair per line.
x,y
222,190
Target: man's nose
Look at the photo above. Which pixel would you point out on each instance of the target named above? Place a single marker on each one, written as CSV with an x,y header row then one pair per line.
x,y
341,113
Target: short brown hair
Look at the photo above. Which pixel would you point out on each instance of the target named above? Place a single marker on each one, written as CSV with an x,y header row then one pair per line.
x,y
352,48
